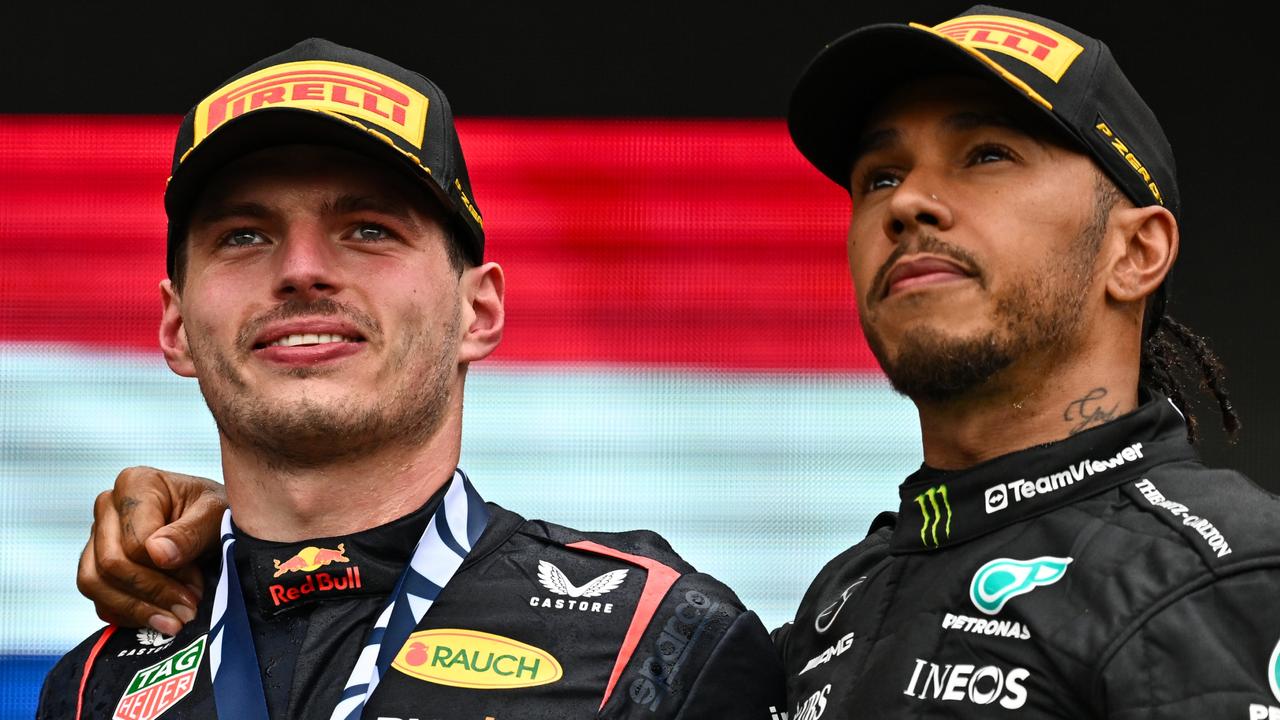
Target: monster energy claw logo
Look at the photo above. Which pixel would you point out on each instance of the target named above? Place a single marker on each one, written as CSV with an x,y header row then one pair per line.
x,y
1002,579
933,515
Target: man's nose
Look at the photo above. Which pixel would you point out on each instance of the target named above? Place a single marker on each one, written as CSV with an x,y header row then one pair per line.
x,y
920,200
307,265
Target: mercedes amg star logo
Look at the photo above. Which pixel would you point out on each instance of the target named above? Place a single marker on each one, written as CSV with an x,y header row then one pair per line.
x,y
553,579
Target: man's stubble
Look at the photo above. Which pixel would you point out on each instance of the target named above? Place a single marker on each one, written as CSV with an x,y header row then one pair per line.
x,y
1041,314
305,432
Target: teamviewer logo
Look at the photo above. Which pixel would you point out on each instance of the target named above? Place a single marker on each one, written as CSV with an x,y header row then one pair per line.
x,y
997,498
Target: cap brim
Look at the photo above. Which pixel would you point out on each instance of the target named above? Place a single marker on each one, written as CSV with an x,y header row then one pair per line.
x,y
839,89
272,127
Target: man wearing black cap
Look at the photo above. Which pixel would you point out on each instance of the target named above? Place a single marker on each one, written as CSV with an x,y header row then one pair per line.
x,y
1062,552
328,289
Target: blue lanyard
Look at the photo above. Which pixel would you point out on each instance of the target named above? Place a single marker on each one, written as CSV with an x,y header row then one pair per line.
x,y
453,530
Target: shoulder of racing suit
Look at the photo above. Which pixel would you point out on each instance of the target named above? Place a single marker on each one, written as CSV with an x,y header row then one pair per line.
x,y
692,648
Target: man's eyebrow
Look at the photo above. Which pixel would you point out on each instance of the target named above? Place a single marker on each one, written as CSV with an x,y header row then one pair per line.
x,y
963,121
221,211
345,204
883,138
874,141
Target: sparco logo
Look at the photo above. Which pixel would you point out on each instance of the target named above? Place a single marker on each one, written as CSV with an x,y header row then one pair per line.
x,y
553,579
979,685
1001,495
680,635
935,515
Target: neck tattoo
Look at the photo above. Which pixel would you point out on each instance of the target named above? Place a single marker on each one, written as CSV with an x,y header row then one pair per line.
x,y
1090,410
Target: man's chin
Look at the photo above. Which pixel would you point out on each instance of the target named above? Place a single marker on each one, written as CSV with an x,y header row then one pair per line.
x,y
932,366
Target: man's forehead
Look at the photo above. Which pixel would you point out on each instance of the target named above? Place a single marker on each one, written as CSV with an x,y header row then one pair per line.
x,y
955,103
348,180
957,100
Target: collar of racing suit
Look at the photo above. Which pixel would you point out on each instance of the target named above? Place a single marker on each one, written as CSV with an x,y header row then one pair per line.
x,y
278,577
942,508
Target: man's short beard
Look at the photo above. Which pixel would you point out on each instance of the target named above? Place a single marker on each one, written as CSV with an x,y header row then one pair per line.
x,y
302,434
1042,315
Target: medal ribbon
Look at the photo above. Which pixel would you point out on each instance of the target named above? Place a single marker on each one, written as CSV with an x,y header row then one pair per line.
x,y
453,530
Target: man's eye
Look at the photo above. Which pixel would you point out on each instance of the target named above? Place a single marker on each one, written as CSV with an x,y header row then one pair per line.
x,y
989,154
243,238
879,180
369,232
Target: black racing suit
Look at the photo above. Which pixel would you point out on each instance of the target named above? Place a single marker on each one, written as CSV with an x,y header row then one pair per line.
x,y
644,648
1108,575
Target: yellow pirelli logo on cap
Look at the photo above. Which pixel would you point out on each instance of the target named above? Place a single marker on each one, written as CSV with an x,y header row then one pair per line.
x,y
322,86
1045,50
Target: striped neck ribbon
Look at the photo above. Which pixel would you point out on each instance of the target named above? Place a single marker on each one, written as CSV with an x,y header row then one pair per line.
x,y
452,531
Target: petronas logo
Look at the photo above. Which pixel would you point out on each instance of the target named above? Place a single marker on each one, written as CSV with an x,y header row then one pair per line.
x,y
1003,579
936,509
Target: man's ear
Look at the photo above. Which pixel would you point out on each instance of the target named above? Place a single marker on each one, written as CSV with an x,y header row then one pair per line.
x,y
483,314
173,333
1146,246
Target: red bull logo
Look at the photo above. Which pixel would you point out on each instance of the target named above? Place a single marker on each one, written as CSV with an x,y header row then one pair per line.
x,y
1042,48
310,558
320,86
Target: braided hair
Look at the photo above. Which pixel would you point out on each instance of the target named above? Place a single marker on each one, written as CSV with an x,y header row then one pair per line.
x,y
1172,353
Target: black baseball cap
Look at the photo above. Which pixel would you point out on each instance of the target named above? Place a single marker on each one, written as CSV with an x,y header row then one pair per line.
x,y
319,92
1071,77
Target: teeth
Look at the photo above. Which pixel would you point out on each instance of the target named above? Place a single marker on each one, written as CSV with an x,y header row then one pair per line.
x,y
309,339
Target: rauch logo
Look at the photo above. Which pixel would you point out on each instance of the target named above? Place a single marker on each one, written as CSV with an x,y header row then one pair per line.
x,y
475,660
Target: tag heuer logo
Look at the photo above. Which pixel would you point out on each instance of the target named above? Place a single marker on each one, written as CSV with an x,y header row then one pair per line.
x,y
159,687
1003,579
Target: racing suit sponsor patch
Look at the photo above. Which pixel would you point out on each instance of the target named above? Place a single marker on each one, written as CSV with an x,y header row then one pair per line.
x,y
823,622
1003,579
475,660
1001,495
812,707
152,642
574,597
969,683
680,634
1206,529
834,651
156,688
986,626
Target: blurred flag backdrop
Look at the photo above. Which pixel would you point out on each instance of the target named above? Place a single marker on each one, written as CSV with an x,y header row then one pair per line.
x,y
682,353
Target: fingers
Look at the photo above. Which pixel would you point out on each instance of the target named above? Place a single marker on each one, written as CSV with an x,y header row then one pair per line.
x,y
123,589
198,507
142,504
117,607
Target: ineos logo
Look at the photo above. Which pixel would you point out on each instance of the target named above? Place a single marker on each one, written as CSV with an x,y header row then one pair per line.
x,y
828,615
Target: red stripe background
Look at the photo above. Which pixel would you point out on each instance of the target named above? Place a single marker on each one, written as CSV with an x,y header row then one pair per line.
x,y
695,243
